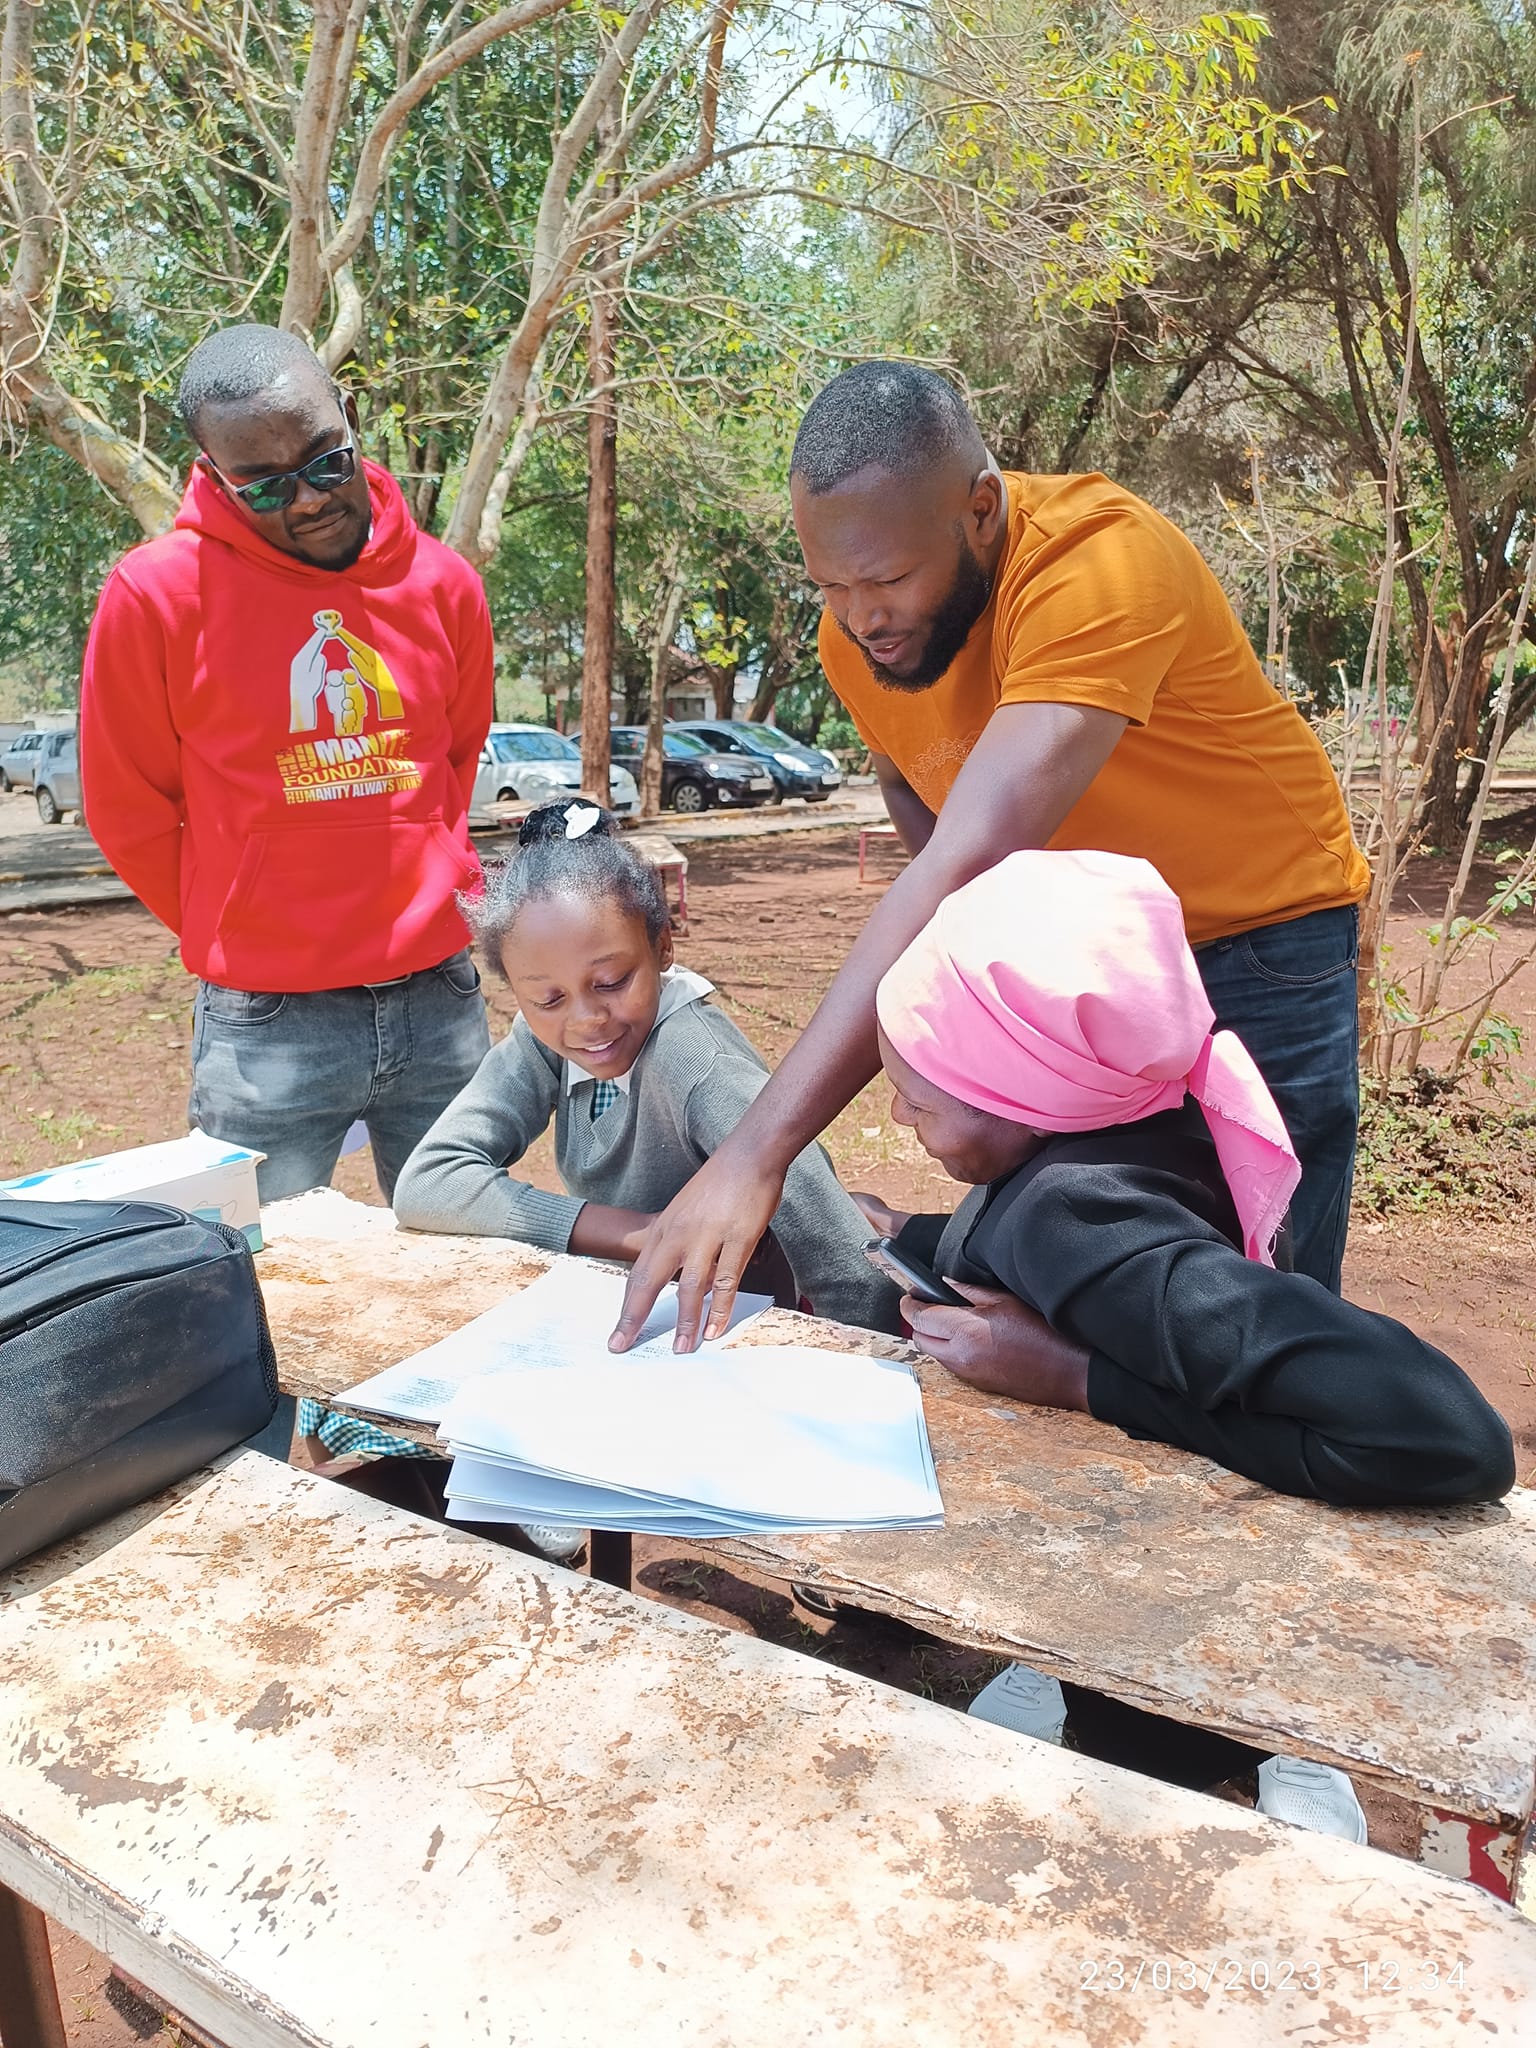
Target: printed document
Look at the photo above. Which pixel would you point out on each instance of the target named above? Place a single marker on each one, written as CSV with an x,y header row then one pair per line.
x,y
771,1437
562,1318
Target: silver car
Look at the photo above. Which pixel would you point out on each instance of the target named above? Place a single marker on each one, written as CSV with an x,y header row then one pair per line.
x,y
18,762
531,764
57,776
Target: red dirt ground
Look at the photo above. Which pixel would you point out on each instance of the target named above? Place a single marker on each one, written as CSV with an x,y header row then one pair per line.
x,y
95,1018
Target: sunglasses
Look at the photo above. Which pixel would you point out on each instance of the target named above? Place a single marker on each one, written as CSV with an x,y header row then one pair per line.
x,y
327,472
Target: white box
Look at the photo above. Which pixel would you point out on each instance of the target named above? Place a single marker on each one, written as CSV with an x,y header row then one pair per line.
x,y
214,1180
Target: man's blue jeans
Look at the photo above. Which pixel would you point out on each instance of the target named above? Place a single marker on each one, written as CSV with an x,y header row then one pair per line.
x,y
289,1075
1288,991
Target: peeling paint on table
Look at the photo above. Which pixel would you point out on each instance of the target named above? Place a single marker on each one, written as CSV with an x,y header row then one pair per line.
x,y
321,1772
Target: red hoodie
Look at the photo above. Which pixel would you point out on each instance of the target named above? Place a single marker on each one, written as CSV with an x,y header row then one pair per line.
x,y
278,759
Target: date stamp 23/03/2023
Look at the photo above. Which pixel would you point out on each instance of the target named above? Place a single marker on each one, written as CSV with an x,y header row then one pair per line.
x,y
1269,1976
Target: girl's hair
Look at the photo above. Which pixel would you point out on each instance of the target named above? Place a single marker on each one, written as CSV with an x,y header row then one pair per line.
x,y
595,864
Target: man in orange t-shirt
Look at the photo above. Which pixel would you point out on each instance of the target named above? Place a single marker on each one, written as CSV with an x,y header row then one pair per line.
x,y
1096,600
1045,661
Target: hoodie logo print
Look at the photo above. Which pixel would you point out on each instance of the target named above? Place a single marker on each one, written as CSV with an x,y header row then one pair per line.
x,y
341,676
335,667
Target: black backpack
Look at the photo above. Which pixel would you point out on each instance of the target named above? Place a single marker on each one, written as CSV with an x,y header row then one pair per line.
x,y
133,1349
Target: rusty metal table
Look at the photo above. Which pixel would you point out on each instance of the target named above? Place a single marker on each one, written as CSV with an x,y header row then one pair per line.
x,y
319,1772
1399,1646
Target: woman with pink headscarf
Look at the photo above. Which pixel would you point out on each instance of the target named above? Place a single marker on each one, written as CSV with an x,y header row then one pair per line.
x,y
1049,1041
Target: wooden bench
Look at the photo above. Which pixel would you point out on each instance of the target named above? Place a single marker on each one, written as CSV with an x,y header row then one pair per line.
x,y
654,846
668,860
1399,1646
322,1774
868,832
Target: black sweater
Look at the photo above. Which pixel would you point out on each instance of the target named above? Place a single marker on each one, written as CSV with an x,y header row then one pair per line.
x,y
1125,1240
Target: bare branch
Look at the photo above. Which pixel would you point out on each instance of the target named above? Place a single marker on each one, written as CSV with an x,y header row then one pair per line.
x,y
402,103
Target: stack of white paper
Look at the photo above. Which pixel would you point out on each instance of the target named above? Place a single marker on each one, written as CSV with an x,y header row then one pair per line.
x,y
562,1318
765,1438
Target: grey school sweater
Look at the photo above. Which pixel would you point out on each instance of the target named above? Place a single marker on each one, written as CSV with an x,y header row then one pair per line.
x,y
689,1087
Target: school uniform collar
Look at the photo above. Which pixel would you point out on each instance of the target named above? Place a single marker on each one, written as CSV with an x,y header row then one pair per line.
x,y
679,987
578,1077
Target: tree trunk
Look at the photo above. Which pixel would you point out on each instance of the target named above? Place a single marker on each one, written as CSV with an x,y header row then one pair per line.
x,y
637,690
723,678
1451,738
471,529
602,524
669,604
336,26
429,487
132,476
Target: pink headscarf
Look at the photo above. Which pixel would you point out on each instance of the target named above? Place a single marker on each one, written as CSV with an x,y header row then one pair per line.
x,y
1058,990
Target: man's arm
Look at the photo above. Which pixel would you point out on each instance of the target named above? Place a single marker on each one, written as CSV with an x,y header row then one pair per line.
x,y
1026,772
906,810
130,754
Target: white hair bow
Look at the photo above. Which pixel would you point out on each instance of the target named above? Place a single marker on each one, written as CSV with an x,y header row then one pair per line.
x,y
580,819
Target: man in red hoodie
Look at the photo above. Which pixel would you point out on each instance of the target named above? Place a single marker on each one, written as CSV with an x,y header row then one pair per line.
x,y
283,707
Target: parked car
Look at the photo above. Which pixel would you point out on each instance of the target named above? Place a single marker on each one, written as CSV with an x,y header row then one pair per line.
x,y
693,778
18,764
796,770
531,764
57,777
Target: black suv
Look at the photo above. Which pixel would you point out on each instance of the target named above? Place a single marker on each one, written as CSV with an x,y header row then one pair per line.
x,y
692,777
796,770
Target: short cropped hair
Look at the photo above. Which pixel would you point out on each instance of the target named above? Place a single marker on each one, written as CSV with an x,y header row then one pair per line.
x,y
898,417
595,864
237,364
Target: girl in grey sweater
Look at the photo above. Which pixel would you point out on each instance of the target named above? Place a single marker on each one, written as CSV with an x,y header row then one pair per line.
x,y
641,1074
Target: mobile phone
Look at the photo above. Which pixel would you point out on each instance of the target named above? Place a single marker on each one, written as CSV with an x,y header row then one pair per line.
x,y
911,1275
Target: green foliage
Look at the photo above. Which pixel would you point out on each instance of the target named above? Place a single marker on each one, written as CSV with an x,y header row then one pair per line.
x,y
59,535
170,129
838,734
1493,1046
1160,119
1426,1144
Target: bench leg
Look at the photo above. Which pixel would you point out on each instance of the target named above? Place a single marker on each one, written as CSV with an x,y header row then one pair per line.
x,y
1497,1860
1522,1890
613,1561
29,1996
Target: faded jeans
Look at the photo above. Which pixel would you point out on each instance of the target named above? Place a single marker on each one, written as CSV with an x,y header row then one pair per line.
x,y
289,1075
1288,991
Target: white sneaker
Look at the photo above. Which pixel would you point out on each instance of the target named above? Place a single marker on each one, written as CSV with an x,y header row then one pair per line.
x,y
1312,1796
1024,1700
554,1541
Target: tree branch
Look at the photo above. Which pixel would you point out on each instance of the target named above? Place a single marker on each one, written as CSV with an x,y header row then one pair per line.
x,y
27,386
402,103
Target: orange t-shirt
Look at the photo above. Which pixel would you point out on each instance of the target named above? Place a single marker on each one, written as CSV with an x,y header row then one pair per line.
x,y
1217,780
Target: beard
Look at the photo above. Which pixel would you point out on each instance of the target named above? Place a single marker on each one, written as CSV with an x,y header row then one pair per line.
x,y
948,630
341,553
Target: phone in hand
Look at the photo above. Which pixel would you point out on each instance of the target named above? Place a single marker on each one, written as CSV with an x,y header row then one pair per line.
x,y
911,1275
